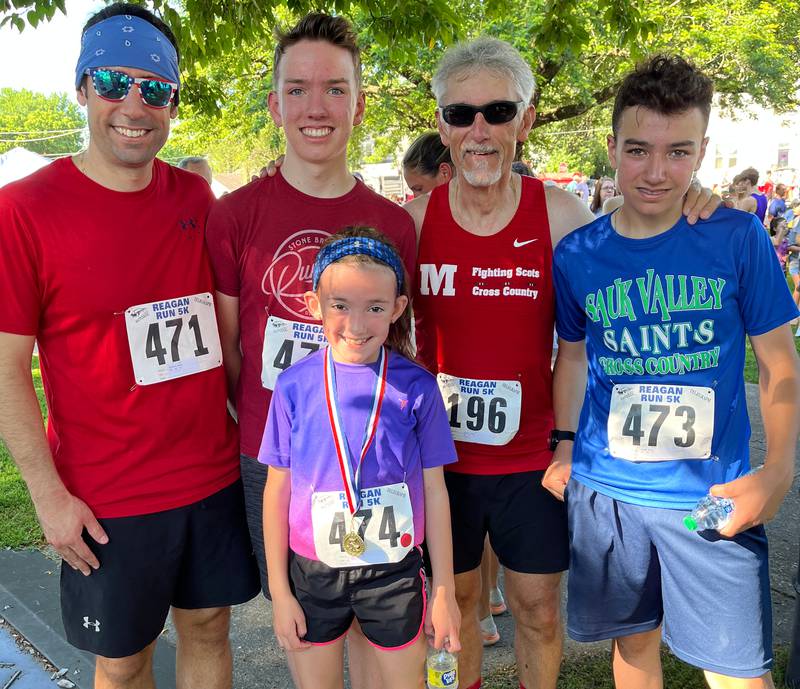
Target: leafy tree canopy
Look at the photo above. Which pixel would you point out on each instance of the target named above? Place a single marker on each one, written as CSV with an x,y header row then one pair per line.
x,y
40,123
579,52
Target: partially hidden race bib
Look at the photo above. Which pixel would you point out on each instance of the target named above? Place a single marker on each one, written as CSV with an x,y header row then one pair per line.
x,y
655,423
285,343
173,338
481,411
384,521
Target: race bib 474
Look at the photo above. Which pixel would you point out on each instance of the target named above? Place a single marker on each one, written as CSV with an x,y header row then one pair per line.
x,y
384,522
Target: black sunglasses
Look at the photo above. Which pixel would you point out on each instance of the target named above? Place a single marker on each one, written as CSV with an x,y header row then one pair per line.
x,y
115,86
496,112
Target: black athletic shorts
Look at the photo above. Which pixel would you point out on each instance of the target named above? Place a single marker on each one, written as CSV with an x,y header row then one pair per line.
x,y
197,556
527,526
387,600
254,478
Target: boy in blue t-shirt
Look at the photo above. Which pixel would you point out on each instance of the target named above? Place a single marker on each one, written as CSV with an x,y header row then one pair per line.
x,y
661,310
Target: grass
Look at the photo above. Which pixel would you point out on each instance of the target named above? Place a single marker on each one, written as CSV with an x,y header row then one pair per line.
x,y
593,671
18,525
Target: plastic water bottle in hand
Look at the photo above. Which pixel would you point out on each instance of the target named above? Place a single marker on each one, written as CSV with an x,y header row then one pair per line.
x,y
442,669
711,512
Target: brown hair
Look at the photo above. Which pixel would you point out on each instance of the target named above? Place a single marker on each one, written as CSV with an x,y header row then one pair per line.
x,y
318,26
596,203
666,84
399,338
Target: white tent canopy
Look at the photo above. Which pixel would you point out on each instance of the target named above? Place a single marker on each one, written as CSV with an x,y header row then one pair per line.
x,y
18,163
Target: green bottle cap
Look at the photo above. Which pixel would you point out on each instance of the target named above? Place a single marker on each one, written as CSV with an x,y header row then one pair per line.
x,y
690,523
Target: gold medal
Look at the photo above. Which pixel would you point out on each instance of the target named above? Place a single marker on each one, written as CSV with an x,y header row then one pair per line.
x,y
353,544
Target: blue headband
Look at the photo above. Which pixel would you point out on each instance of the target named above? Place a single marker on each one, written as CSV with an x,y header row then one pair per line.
x,y
127,41
357,246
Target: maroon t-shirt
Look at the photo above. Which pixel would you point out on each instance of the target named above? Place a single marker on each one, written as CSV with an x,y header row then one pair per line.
x,y
263,239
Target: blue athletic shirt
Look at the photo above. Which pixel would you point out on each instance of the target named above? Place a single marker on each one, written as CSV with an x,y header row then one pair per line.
x,y
659,314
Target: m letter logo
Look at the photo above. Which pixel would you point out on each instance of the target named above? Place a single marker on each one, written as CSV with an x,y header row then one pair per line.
x,y
432,279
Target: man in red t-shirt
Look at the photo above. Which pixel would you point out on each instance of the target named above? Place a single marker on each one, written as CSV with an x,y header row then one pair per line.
x,y
136,482
484,302
263,240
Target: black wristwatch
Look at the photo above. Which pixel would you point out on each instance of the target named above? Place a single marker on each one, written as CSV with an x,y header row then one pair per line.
x,y
557,436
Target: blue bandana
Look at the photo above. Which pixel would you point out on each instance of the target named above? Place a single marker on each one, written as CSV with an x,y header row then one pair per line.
x,y
357,246
127,41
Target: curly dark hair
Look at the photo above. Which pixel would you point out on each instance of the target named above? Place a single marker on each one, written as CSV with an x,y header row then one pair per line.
x,y
666,84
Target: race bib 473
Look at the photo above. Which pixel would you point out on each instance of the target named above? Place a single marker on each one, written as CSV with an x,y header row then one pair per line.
x,y
173,338
655,423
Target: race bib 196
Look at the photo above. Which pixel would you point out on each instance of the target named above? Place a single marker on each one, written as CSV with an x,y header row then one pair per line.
x,y
481,411
173,338
384,521
285,343
655,423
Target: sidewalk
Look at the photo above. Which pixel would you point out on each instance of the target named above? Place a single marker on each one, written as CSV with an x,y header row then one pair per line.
x,y
29,585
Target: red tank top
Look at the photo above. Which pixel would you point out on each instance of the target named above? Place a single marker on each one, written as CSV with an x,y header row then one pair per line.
x,y
485,311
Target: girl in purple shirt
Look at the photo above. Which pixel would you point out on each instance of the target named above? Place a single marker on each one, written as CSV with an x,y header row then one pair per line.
x,y
355,439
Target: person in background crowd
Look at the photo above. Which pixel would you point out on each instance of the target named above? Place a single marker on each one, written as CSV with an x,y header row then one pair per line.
x,y
748,178
579,187
604,189
427,163
778,231
768,188
198,165
743,199
777,207
793,261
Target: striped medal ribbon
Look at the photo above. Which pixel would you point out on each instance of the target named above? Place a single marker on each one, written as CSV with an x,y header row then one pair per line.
x,y
353,543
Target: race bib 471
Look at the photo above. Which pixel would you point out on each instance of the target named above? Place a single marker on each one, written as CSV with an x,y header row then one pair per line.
x,y
656,423
173,338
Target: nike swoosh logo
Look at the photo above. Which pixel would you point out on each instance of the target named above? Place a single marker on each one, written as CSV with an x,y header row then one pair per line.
x,y
518,243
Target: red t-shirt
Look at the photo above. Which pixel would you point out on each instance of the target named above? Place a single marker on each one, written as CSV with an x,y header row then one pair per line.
x,y
263,239
485,310
75,256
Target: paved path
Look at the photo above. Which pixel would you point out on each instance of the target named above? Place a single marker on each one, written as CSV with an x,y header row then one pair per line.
x,y
19,669
29,586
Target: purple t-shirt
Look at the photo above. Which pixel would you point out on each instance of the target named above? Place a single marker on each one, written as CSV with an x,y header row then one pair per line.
x,y
413,434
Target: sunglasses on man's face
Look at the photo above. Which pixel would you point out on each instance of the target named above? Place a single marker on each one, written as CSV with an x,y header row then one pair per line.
x,y
496,112
114,86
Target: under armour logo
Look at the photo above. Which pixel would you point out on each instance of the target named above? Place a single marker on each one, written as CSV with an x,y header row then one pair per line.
x,y
95,624
188,224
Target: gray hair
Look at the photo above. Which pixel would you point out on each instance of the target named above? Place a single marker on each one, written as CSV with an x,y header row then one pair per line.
x,y
484,53
191,160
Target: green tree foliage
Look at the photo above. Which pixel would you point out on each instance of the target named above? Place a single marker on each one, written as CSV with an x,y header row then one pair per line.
x,y
39,123
579,52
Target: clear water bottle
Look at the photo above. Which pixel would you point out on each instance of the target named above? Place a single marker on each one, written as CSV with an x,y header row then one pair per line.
x,y
442,669
711,512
